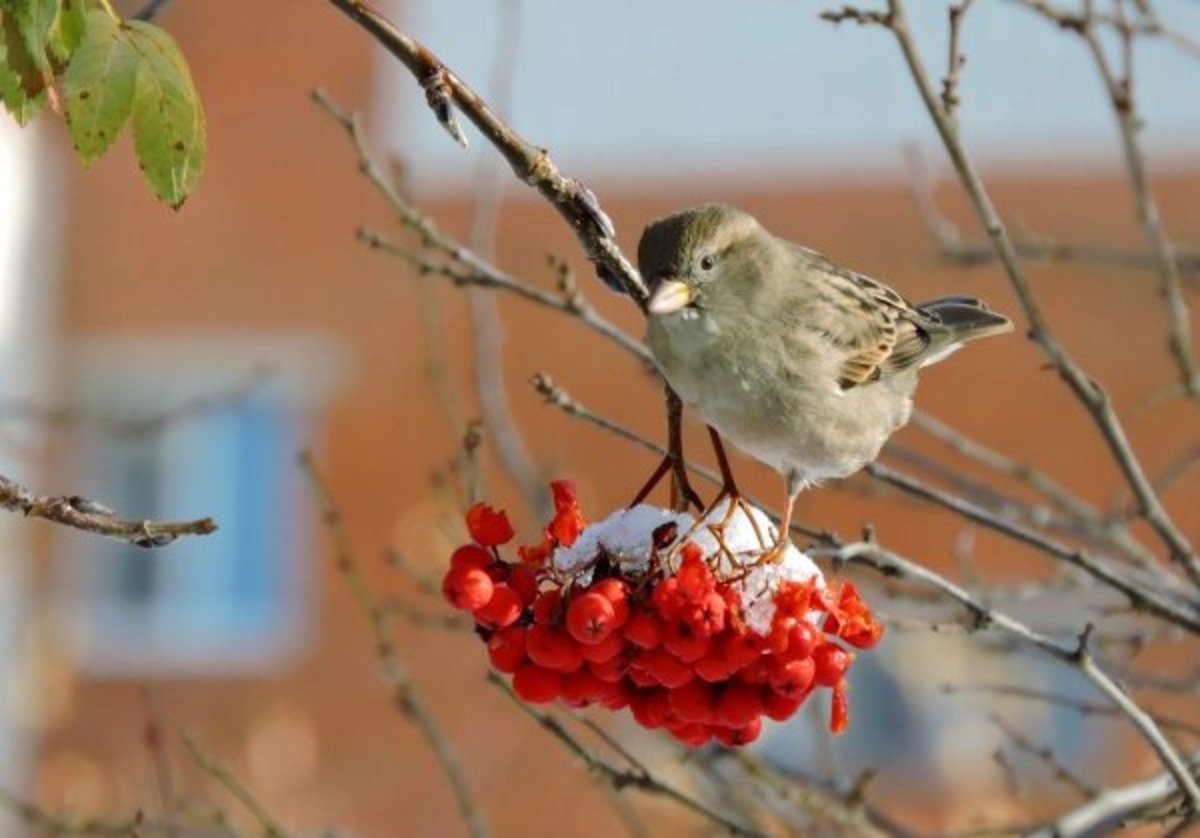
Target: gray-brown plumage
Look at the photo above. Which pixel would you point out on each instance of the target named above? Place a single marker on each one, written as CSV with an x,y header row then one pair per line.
x,y
802,364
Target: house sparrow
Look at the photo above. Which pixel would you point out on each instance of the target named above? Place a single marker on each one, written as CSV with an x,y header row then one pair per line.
x,y
802,364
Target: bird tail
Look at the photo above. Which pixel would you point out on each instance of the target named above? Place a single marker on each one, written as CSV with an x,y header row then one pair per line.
x,y
959,319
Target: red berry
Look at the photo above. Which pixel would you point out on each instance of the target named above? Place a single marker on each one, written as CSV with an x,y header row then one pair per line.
x,y
757,672
792,678
590,618
667,599
706,617
503,609
715,666
644,630
683,643
546,607
523,580
467,588
738,704
471,555
780,707
488,526
802,640
839,711
581,688
780,636
552,649
695,579
617,593
831,664
536,685
506,649
733,737
642,677
609,647
615,696
612,670
694,702
692,734
658,705
739,649
668,669
639,706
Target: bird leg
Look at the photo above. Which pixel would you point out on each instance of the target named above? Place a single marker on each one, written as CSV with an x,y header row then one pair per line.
x,y
667,464
793,485
729,490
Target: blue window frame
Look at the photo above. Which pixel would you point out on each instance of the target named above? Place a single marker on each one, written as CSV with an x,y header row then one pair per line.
x,y
237,600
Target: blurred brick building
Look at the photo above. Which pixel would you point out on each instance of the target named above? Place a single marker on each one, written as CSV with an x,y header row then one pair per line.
x,y
249,640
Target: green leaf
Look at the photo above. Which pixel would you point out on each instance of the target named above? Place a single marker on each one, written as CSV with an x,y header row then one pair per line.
x,y
168,119
69,29
34,18
22,86
99,84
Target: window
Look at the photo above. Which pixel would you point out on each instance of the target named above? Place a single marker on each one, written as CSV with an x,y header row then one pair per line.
x,y
236,600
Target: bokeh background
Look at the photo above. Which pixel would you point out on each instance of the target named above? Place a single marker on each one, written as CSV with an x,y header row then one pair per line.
x,y
254,325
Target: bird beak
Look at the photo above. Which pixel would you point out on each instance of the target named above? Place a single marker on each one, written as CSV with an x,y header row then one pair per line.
x,y
670,296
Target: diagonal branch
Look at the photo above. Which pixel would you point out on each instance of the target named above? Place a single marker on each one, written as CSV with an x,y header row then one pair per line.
x,y
1118,86
407,699
532,165
1095,398
83,514
1077,656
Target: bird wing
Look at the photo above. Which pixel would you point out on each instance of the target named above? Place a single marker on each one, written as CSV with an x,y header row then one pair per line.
x,y
875,329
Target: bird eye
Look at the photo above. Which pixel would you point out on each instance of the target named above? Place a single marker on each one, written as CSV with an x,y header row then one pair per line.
x,y
707,263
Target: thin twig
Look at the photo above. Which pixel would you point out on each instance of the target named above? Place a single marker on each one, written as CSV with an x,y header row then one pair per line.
x,y
1047,756
532,165
621,778
229,781
1120,91
1094,397
954,249
90,516
407,699
1077,656
1139,593
487,332
458,263
1113,807
1058,495
1083,708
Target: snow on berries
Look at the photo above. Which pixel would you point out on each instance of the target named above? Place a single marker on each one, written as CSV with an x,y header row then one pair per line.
x,y
691,625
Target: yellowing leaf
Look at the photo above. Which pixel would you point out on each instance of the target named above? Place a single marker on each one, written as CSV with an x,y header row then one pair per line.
x,y
99,85
22,86
168,119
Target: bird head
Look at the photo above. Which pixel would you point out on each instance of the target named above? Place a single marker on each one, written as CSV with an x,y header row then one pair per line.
x,y
698,255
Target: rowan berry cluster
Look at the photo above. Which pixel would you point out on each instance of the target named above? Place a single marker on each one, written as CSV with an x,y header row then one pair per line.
x,y
676,634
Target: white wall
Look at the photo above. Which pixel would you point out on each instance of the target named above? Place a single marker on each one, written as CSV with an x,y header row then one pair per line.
x,y
30,222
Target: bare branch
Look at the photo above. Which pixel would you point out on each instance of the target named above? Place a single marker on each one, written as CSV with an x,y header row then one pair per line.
x,y
1083,708
1046,755
635,777
532,165
89,516
1140,593
956,59
1112,808
229,781
487,332
457,262
407,699
1077,656
1120,90
1094,397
